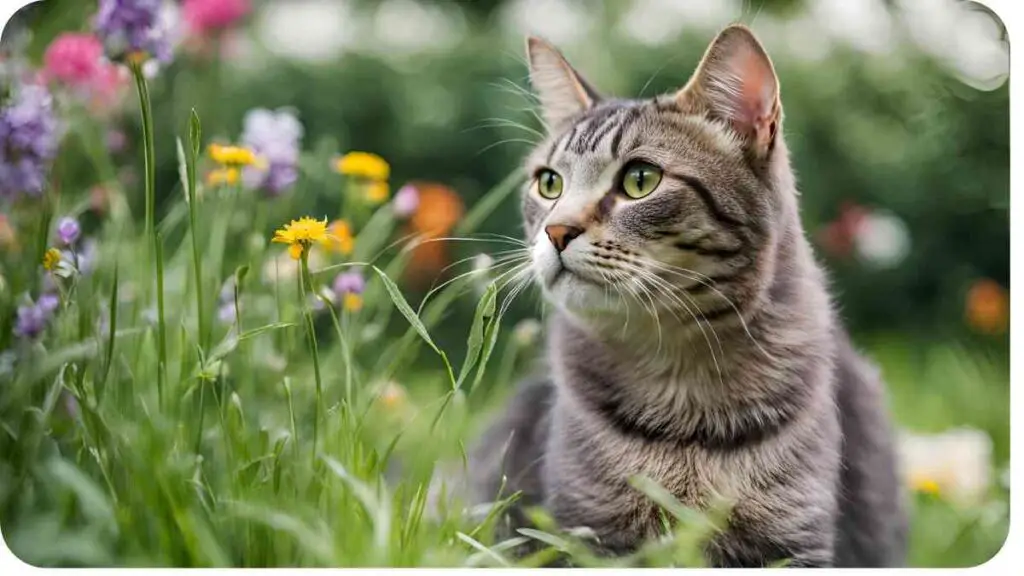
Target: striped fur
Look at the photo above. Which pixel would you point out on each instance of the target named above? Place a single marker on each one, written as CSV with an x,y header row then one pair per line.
x,y
692,338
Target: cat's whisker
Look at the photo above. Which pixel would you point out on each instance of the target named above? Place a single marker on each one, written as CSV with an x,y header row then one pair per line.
x,y
506,141
504,261
669,291
709,283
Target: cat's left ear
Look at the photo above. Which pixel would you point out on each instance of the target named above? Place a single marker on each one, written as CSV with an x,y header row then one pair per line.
x,y
562,91
736,83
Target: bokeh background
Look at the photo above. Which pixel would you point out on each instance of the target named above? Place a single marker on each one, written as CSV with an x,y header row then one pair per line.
x,y
896,114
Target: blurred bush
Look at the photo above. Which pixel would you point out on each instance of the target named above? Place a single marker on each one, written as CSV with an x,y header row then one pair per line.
x,y
885,138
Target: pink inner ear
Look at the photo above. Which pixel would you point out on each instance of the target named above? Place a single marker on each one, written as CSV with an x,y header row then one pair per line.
x,y
756,93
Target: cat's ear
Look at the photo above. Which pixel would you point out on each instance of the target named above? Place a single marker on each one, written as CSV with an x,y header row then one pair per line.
x,y
562,91
736,83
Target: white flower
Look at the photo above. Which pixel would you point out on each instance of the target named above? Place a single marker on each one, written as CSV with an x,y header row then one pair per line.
x,y
882,239
957,464
307,30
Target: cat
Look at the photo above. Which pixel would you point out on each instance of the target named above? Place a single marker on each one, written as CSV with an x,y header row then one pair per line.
x,y
691,337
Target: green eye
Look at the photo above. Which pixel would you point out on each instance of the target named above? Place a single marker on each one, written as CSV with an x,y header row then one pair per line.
x,y
549,184
640,179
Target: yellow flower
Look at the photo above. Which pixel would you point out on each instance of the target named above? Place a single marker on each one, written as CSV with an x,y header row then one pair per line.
x,y
377,191
353,302
222,176
340,238
301,234
234,156
926,486
51,258
363,164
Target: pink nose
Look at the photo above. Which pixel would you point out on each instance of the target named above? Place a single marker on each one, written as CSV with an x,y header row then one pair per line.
x,y
561,235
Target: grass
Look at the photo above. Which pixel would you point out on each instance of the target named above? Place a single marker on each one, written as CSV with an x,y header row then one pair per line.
x,y
272,439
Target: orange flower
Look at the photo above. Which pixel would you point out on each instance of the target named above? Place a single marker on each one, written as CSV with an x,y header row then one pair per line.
x,y
439,209
340,237
988,307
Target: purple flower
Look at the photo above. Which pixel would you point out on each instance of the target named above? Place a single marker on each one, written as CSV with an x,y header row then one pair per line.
x,y
68,230
29,135
133,26
226,313
349,283
276,137
33,317
48,303
407,199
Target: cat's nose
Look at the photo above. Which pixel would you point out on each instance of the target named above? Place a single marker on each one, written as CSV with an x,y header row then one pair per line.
x,y
561,235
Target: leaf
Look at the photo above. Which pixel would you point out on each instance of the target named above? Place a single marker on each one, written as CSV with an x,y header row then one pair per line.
x,y
549,539
195,132
666,500
475,341
489,343
314,542
484,550
240,273
183,171
379,510
91,498
413,319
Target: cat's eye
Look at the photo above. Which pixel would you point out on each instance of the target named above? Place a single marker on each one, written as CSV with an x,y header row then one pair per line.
x,y
640,179
549,184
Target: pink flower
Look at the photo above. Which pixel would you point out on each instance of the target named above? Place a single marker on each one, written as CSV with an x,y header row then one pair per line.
x,y
206,16
74,59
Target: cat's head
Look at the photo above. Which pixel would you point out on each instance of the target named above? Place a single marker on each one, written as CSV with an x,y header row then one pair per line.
x,y
673,201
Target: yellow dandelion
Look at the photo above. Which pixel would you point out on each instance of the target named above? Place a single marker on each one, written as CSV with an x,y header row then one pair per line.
x,y
51,258
364,165
340,238
229,176
352,302
301,234
234,156
925,484
377,191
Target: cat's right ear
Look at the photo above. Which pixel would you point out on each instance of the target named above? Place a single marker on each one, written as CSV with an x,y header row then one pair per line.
x,y
562,91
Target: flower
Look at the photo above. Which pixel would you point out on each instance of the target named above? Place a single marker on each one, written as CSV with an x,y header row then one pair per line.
x,y
956,464
364,165
232,156
68,230
349,283
987,307
29,135
277,138
526,332
392,396
222,176
377,191
51,258
405,202
74,58
439,209
206,16
133,30
340,238
301,234
882,239
352,302
33,317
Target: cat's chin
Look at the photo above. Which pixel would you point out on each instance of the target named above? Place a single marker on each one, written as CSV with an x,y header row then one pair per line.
x,y
580,296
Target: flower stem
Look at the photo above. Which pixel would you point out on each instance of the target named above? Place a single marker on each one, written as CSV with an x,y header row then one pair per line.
x,y
305,282
150,161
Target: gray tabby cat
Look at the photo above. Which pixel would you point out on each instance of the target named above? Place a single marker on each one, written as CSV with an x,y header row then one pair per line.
x,y
692,338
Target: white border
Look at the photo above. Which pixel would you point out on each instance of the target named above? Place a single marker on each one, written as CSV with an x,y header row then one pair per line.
x,y
1008,556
